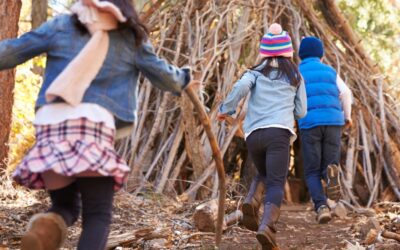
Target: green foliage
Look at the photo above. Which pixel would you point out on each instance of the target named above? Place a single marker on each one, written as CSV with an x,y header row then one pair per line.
x,y
377,23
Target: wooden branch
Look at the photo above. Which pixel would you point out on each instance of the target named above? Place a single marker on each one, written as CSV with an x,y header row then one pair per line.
x,y
350,161
175,173
333,15
367,159
204,34
141,122
199,182
193,145
234,122
391,235
168,166
127,239
288,193
207,173
136,175
359,210
388,154
232,218
205,216
217,157
391,179
145,16
378,171
150,170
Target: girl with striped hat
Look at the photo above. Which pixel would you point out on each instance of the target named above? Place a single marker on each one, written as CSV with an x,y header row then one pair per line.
x,y
277,98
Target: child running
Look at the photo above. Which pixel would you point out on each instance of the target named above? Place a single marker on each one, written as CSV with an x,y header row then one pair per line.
x,y
329,108
277,98
89,91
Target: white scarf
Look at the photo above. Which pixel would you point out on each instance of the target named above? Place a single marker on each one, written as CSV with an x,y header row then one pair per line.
x,y
74,80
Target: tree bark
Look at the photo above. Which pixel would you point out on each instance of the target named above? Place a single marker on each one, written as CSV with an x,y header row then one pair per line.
x,y
219,164
9,16
336,19
39,12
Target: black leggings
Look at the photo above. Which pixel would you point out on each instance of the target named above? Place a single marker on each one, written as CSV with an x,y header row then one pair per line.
x,y
96,196
269,150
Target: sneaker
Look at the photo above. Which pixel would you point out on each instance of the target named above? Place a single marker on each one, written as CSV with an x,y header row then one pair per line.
x,y
333,185
323,214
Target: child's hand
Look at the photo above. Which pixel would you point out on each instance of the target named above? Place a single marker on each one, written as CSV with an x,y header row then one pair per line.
x,y
221,117
349,123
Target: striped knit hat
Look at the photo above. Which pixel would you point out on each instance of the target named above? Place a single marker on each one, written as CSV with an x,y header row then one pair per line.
x,y
276,42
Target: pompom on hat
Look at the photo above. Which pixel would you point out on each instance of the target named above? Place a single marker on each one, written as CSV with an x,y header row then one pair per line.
x,y
276,42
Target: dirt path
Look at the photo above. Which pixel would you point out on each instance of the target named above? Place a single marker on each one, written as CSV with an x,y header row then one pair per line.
x,y
161,223
297,229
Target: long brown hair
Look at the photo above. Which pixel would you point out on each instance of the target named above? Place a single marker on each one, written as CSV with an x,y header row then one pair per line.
x,y
286,68
133,23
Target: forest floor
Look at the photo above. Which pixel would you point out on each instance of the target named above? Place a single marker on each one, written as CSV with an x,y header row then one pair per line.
x,y
158,222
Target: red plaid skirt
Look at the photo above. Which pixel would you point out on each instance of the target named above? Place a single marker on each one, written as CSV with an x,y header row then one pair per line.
x,y
70,148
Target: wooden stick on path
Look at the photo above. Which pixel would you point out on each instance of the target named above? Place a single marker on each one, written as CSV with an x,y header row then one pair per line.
x,y
191,92
391,235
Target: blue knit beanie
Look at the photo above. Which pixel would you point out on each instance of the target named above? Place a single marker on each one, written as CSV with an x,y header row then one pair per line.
x,y
311,47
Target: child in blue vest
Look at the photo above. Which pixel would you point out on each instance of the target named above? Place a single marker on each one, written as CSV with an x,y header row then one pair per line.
x,y
277,98
329,108
94,58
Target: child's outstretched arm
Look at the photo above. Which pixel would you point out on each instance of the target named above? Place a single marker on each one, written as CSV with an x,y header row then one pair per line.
x,y
345,98
161,74
16,51
241,88
300,101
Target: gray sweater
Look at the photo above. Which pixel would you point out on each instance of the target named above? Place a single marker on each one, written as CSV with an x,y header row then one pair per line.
x,y
272,102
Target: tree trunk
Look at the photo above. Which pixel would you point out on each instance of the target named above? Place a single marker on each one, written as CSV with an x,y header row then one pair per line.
x,y
9,15
39,12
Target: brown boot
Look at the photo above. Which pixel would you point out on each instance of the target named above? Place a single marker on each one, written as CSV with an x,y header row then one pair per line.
x,y
252,203
46,231
267,230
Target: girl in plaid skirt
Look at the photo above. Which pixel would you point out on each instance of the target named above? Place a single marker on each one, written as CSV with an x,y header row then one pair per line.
x,y
94,57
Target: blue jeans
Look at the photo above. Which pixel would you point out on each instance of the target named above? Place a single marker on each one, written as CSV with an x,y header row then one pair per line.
x,y
321,147
269,150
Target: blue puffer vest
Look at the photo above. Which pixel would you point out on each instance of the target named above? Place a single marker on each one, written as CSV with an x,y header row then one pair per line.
x,y
324,107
